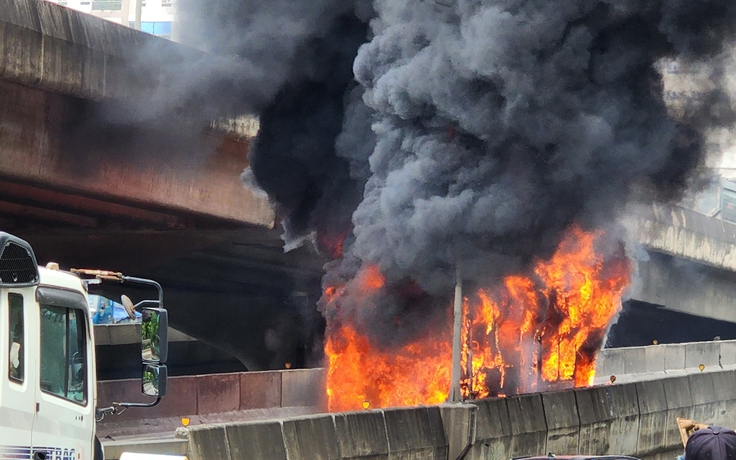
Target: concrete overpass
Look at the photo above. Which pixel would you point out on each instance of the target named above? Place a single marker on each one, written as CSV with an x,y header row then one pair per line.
x,y
58,68
139,207
685,285
134,197
94,173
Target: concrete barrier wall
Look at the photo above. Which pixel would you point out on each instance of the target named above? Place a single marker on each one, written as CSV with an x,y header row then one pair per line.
x,y
217,393
415,433
400,434
653,421
497,430
635,418
563,426
656,361
211,394
311,437
609,419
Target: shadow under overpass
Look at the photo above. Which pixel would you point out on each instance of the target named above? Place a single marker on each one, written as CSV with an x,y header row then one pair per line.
x,y
234,290
642,324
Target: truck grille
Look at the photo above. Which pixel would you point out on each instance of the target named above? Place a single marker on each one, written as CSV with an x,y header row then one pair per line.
x,y
17,265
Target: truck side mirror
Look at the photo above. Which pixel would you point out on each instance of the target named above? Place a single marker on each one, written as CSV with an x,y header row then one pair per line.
x,y
154,335
154,380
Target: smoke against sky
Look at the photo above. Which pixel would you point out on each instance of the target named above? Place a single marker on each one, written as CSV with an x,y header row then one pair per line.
x,y
418,137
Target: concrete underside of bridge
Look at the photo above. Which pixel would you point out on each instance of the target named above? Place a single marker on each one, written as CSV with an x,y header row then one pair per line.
x,y
684,284
686,287
233,289
674,300
194,227
138,194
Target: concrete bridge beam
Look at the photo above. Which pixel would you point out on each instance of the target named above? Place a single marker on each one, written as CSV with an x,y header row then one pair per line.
x,y
684,233
37,153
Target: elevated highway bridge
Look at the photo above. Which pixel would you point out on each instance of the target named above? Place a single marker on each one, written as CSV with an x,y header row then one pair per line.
x,y
163,199
141,194
93,195
684,287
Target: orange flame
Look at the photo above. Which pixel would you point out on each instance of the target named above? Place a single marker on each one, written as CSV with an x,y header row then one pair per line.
x,y
529,334
416,374
332,243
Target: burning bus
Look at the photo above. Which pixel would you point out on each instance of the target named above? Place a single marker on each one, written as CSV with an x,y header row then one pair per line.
x,y
526,334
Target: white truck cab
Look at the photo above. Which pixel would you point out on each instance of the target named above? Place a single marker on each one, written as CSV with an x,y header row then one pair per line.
x,y
48,384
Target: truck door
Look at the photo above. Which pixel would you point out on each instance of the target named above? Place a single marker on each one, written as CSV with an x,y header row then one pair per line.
x,y
64,424
17,373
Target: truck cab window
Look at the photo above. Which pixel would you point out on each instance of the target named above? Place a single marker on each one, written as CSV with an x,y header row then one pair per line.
x,y
63,353
16,345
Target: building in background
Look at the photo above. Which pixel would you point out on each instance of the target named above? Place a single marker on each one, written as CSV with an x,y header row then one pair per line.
x,y
158,16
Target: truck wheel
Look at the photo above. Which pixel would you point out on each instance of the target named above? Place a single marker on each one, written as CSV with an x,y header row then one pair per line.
x,y
99,452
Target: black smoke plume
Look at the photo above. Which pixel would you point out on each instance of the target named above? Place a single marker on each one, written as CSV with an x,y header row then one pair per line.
x,y
558,111
315,191
297,61
467,133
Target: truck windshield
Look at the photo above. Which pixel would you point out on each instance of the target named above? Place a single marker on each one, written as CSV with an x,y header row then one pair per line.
x,y
63,353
